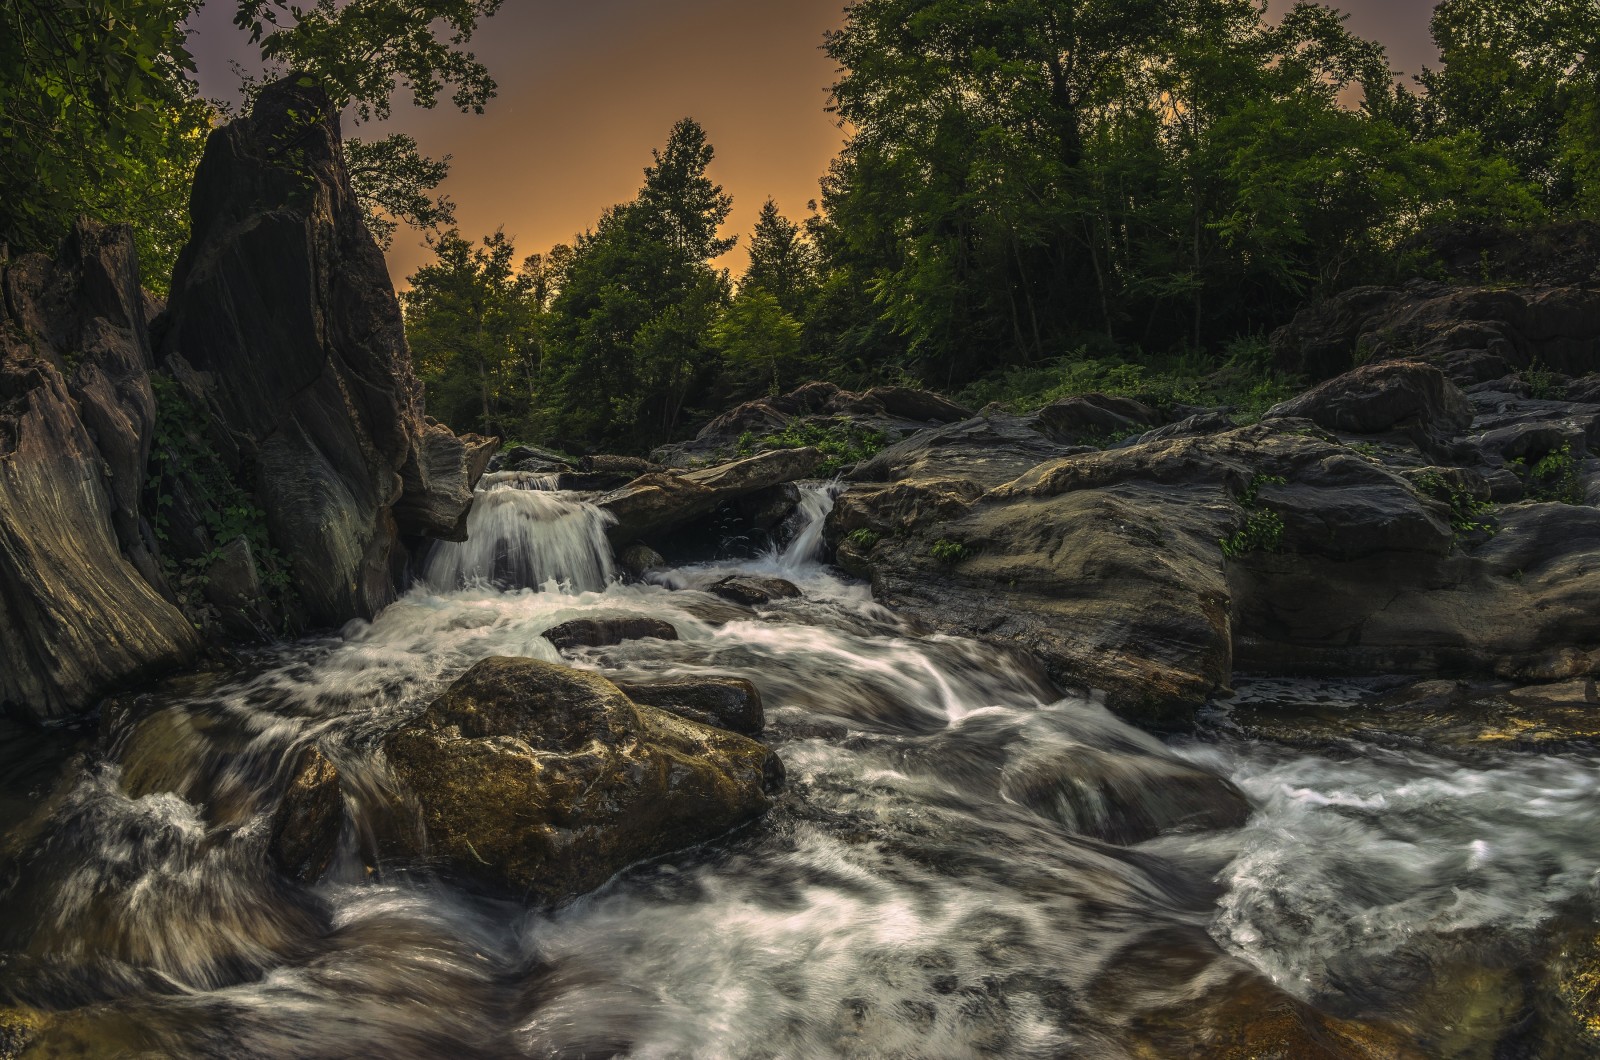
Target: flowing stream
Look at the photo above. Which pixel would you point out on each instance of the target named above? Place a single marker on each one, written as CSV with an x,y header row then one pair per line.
x,y
964,864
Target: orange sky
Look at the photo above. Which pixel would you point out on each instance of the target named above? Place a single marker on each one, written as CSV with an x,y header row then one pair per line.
x,y
586,91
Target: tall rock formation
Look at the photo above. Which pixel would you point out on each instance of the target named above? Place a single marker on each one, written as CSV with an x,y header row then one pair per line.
x,y
81,602
283,325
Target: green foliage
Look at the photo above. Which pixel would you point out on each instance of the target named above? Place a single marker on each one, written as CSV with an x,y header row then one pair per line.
x,y
948,552
759,343
1543,384
630,330
181,456
842,442
1468,515
98,115
782,262
366,50
1521,76
863,538
1243,380
1263,527
392,181
1555,478
471,319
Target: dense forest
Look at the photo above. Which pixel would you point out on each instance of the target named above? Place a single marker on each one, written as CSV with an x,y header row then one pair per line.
x,y
1031,191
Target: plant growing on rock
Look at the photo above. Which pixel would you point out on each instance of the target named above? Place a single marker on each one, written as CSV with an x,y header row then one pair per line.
x,y
948,552
182,454
1469,515
1543,384
1263,527
863,538
842,442
1555,478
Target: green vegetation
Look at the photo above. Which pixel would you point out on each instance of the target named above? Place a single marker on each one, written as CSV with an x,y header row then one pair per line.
x,y
948,552
1543,384
863,538
1244,380
183,459
100,113
1263,527
1469,515
1555,478
842,442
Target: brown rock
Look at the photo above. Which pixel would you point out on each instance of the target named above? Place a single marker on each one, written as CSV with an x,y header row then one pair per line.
x,y
750,590
539,779
600,632
305,828
730,703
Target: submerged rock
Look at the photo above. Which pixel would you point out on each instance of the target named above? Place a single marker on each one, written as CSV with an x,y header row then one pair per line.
x,y
305,829
602,632
730,703
752,589
538,779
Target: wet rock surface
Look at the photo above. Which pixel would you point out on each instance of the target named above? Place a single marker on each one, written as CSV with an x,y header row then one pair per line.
x,y
752,590
731,703
599,632
537,779
1385,522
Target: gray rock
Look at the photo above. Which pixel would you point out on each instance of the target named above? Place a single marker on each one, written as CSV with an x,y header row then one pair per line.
x,y
283,325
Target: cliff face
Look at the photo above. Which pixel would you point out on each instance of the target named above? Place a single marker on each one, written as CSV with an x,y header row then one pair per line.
x,y
256,458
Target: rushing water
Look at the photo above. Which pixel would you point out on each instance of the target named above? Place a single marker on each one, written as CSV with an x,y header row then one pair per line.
x,y
964,864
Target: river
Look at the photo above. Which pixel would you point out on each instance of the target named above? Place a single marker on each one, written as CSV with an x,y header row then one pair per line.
x,y
964,864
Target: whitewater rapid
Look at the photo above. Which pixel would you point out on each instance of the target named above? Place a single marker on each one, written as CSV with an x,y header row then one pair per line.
x,y
964,862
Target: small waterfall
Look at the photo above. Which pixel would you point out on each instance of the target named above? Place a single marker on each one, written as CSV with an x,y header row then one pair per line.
x,y
816,502
522,534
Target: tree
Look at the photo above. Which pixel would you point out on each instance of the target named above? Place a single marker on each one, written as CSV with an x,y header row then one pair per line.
x,y
1522,76
470,320
759,342
628,330
364,51
100,115
782,261
392,181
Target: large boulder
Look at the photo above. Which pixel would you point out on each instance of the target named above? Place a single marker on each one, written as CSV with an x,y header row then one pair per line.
x,y
537,779
664,501
1152,572
991,448
284,328
1384,397
77,618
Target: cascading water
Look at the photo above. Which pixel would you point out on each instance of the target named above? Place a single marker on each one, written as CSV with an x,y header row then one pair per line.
x,y
522,535
963,863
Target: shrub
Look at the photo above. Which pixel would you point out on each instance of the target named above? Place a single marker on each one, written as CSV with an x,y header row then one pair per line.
x,y
1555,478
842,442
1468,515
863,538
948,552
1263,527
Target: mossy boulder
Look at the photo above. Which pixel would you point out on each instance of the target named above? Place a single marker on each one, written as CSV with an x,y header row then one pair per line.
x,y
538,779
